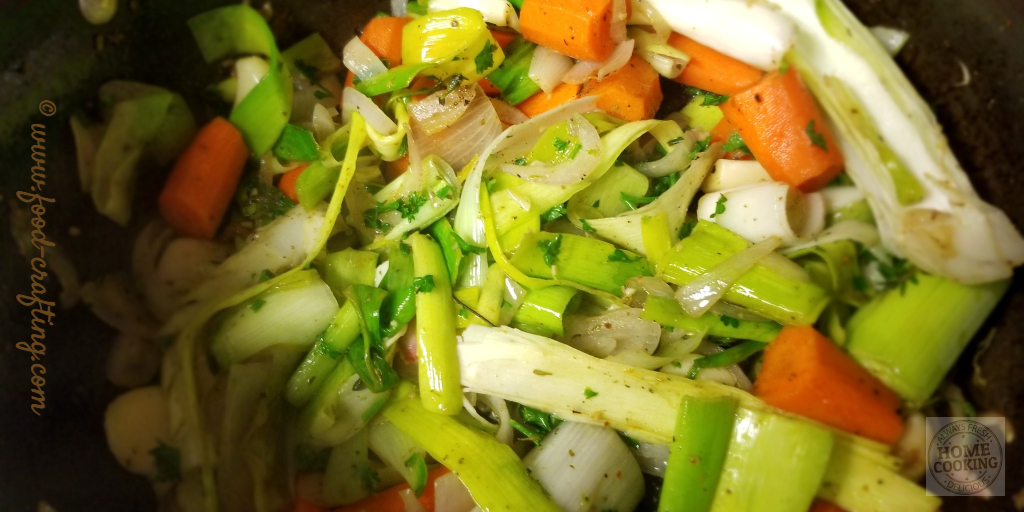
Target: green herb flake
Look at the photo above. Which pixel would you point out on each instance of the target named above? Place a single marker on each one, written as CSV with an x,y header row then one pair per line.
x,y
530,434
506,305
519,161
320,94
586,226
560,144
620,256
719,206
633,202
411,206
556,212
589,393
256,305
816,137
549,248
489,185
445,193
735,143
464,314
660,185
168,462
424,284
729,321
675,141
266,275
700,147
485,59
403,149
710,99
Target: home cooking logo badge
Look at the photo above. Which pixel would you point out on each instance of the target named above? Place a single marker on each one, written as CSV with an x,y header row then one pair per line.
x,y
966,456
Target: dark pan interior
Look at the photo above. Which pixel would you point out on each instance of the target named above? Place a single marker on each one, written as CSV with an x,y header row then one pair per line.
x,y
48,52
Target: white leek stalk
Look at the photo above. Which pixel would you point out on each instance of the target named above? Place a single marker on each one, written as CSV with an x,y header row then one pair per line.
x,y
747,30
733,174
248,72
757,212
699,295
586,468
495,12
837,198
925,206
361,60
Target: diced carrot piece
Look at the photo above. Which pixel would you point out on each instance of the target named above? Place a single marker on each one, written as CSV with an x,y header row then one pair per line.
x,y
286,184
389,499
711,70
825,506
489,88
203,181
384,36
420,83
632,93
539,103
722,131
302,505
578,28
805,373
350,79
393,170
786,132
503,37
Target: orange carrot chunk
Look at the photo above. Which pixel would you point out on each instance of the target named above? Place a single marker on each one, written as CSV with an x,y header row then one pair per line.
x,y
632,93
389,500
539,103
711,70
722,131
393,170
825,506
786,132
804,373
287,182
489,88
203,181
503,37
578,28
384,36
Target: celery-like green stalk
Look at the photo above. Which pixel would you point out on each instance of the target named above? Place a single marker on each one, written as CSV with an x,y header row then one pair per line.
x,y
770,289
859,480
435,329
730,356
544,309
669,313
348,267
910,336
774,464
702,117
293,313
513,76
697,454
451,247
578,259
324,356
490,470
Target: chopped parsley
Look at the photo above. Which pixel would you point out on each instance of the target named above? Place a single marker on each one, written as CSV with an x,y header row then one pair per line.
x,y
403,149
445,193
559,143
710,99
687,229
485,59
489,184
266,275
556,212
589,393
719,206
662,184
735,143
700,147
816,137
675,141
261,202
506,305
729,321
467,247
410,207
464,313
371,216
633,202
520,161
549,248
541,422
423,284
531,435
586,226
168,462
256,305
620,256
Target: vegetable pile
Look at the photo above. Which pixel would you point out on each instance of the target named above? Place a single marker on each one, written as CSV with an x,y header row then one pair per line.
x,y
463,265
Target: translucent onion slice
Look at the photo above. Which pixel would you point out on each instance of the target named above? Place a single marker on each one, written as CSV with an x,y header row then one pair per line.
x,y
619,18
676,160
860,232
354,101
667,60
508,114
439,110
548,67
572,171
465,137
699,295
583,69
361,60
495,12
644,13
757,212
